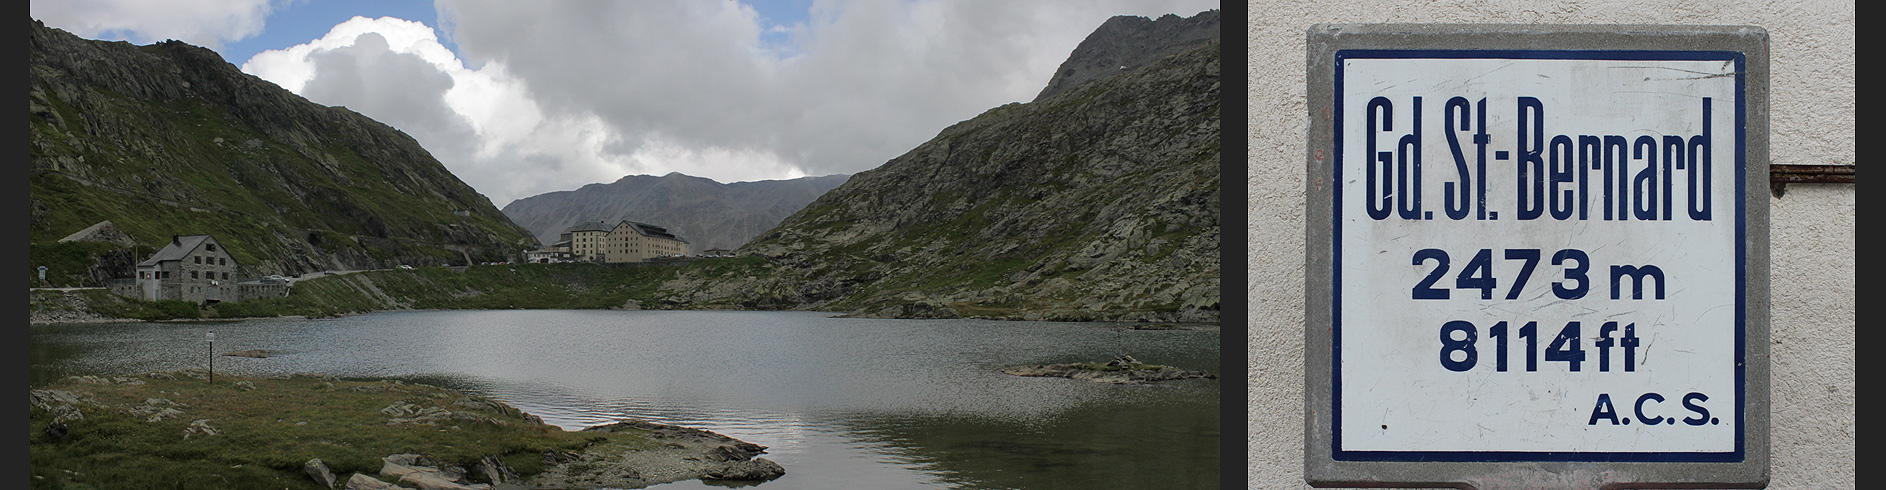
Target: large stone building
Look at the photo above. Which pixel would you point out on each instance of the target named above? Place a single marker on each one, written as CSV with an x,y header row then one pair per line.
x,y
191,268
627,241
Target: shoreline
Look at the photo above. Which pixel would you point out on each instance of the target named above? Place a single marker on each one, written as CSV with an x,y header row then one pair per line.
x,y
36,318
409,434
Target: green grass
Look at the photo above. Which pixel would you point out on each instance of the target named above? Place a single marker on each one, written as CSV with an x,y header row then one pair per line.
x,y
482,287
520,286
158,170
264,435
67,263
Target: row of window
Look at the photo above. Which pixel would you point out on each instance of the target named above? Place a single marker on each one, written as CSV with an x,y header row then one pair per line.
x,y
218,261
167,275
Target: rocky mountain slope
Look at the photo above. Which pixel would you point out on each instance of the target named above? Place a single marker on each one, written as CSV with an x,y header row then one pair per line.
x,y
169,139
706,213
1096,202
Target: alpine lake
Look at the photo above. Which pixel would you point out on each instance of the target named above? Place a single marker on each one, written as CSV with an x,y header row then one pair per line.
x,y
839,402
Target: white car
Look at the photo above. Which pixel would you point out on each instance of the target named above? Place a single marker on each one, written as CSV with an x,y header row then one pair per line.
x,y
405,267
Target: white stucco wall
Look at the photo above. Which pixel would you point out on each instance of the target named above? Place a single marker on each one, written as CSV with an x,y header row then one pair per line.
x,y
1811,236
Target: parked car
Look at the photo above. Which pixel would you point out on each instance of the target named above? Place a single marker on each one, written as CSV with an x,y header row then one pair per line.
x,y
404,266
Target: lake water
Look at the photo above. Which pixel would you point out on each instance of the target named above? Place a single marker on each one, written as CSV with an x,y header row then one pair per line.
x,y
839,402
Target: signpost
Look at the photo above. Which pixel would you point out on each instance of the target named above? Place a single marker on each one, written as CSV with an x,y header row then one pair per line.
x,y
1537,245
211,338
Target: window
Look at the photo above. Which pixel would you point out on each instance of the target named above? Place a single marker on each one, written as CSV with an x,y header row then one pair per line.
x,y
210,247
199,258
225,276
222,261
193,275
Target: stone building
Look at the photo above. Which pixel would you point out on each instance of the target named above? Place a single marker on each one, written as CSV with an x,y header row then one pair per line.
x,y
627,241
555,253
191,268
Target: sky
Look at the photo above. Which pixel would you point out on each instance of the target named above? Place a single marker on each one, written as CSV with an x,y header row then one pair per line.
x,y
523,98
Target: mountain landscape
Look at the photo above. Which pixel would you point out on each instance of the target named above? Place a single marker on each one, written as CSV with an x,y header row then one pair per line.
x,y
169,139
706,213
1097,201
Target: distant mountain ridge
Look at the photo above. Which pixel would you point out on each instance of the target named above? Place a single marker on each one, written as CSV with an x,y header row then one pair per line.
x,y
705,213
169,139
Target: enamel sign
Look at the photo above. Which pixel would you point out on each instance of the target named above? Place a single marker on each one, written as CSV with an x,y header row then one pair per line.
x,y
1538,255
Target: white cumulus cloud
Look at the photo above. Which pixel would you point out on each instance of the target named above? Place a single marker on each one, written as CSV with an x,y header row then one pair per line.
x,y
570,93
207,23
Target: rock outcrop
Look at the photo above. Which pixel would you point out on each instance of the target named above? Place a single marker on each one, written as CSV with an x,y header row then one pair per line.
x,y
684,454
1121,370
169,138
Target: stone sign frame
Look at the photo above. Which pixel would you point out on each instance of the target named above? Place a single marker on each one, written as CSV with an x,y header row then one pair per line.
x,y
1747,468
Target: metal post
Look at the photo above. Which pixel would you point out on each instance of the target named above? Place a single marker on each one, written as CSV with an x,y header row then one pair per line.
x,y
212,339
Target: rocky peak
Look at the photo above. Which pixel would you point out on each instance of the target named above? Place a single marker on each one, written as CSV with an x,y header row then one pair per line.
x,y
1127,42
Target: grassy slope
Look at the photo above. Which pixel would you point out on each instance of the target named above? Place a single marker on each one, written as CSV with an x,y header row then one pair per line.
x,y
188,166
523,286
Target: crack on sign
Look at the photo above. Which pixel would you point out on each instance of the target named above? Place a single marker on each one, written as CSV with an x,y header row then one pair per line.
x,y
1704,75
1488,72
1693,96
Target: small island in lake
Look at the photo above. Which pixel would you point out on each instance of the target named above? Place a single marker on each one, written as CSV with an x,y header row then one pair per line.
x,y
179,430
1123,369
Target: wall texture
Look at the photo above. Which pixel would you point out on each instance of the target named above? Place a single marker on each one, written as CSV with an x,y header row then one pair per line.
x,y
1811,236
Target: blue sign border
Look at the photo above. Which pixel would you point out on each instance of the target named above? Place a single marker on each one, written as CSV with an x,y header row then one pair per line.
x,y
1741,262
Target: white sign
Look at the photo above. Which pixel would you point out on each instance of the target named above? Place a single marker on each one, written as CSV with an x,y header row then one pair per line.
x,y
1538,255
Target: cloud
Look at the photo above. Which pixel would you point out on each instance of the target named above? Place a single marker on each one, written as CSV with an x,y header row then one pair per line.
x,y
207,23
567,93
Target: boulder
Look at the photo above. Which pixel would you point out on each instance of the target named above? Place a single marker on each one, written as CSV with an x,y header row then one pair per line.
x,y
52,399
57,430
756,469
425,473
319,472
67,413
199,427
741,451
494,470
364,482
426,480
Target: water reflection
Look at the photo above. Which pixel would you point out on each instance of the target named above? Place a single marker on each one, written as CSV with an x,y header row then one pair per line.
x,y
840,403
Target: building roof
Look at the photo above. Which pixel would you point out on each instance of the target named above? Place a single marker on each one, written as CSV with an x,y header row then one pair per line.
x,y
178,248
588,226
651,230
